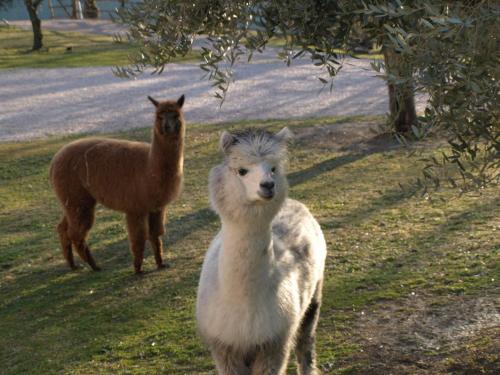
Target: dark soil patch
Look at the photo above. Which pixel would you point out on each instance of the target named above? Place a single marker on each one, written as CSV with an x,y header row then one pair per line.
x,y
460,335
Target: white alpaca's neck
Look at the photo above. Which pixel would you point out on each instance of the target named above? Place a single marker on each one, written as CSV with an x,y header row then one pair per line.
x,y
246,259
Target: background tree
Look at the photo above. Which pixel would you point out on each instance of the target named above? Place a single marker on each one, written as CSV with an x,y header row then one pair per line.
x,y
74,9
36,23
90,9
447,49
318,28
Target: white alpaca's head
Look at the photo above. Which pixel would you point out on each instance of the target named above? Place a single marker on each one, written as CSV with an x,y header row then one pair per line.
x,y
252,178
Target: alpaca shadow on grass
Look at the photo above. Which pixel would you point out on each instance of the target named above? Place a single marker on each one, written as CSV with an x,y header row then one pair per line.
x,y
180,227
114,258
176,229
118,254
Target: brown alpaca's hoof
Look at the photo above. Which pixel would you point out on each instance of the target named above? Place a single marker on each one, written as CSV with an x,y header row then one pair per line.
x,y
163,266
95,267
139,272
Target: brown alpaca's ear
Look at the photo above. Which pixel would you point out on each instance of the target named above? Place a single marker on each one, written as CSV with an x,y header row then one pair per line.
x,y
155,102
180,101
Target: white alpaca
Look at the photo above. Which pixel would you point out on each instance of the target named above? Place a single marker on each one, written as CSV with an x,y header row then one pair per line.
x,y
260,286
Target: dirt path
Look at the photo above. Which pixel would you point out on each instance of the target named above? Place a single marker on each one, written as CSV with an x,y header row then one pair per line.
x,y
39,102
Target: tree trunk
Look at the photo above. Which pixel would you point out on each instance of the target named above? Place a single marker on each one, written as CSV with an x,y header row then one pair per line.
x,y
74,9
401,96
90,9
36,23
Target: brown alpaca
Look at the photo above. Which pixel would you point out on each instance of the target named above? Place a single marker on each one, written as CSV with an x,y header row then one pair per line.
x,y
136,178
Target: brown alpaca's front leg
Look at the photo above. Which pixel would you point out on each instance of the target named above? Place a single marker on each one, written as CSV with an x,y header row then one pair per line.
x,y
156,230
137,233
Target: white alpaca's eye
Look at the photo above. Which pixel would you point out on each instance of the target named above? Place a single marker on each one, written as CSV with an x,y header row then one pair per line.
x,y
242,171
273,169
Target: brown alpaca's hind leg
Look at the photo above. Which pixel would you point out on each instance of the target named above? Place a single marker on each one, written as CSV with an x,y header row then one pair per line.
x,y
156,230
137,233
80,220
62,229
83,250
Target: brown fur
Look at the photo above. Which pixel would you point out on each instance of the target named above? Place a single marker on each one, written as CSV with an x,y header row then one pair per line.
x,y
136,178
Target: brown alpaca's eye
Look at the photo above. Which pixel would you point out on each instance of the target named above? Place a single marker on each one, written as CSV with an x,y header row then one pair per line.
x,y
242,171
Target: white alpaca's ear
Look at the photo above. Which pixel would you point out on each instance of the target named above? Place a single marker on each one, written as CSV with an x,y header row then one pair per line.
x,y
226,141
285,135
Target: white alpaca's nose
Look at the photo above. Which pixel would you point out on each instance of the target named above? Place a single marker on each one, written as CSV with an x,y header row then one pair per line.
x,y
266,189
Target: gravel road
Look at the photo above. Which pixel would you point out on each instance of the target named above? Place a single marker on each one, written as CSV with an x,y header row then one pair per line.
x,y
39,102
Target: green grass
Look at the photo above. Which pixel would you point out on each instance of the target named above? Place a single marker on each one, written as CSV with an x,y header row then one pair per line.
x,y
279,42
384,249
86,50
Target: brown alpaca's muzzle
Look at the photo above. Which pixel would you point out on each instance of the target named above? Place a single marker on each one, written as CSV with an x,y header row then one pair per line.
x,y
170,126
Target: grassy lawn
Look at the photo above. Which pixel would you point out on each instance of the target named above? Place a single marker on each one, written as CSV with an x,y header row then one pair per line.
x,y
409,288
279,42
86,50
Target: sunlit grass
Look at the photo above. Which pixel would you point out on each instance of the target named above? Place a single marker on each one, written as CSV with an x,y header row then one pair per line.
x,y
64,50
72,50
382,247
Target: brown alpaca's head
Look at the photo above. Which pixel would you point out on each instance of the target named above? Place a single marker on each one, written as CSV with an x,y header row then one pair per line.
x,y
169,120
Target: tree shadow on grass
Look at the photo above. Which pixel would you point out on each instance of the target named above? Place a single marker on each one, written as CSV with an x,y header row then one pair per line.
x,y
97,311
299,177
357,149
386,200
73,317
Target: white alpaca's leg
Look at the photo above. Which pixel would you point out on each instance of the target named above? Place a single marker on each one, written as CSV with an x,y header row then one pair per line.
x,y
306,336
272,360
227,362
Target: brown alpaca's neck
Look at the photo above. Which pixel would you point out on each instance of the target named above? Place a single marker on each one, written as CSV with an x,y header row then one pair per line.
x,y
166,156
